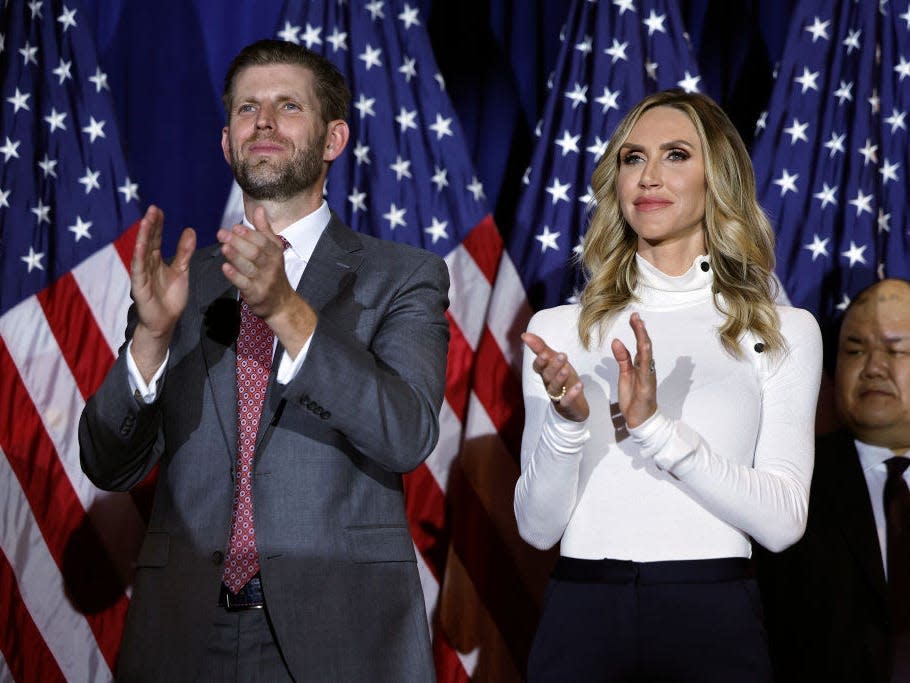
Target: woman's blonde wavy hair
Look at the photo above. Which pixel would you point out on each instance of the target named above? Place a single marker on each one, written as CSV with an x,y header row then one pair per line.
x,y
738,235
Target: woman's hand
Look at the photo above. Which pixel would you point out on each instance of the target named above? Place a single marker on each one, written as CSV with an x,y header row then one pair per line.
x,y
559,379
637,391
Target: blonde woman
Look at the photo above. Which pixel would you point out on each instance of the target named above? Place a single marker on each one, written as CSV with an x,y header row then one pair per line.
x,y
669,415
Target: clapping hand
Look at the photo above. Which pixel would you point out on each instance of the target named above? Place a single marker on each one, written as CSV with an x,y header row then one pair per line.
x,y
637,391
560,380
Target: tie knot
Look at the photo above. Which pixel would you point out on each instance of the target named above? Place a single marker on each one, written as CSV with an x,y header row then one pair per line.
x,y
897,465
287,245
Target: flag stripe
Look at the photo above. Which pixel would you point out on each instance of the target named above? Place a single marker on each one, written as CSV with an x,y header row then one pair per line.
x,y
21,644
485,246
72,541
459,367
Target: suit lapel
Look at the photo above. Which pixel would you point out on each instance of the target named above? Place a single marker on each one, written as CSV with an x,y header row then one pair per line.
x,y
329,272
853,509
219,309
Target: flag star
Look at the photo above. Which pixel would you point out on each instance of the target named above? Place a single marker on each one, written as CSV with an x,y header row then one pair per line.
x,y
598,148
819,29
99,79
289,33
408,68
844,92
401,167
33,260
439,79
311,36
48,166
762,122
888,171
28,54
851,42
580,247
559,191
526,177
655,22
869,152
624,5
476,188
844,303
395,217
903,68
338,40
689,83
855,254
651,69
437,230
2,43
35,7
827,195
129,190
819,247
80,229
547,240
884,221
361,153
405,119
440,178
365,105
586,46
787,182
409,17
588,196
94,129
836,143
906,17
55,120
4,197
896,120
617,51
90,180
371,56
357,199
442,127
63,71
568,143
42,212
19,101
68,18
797,131
537,129
579,95
609,100
808,80
9,149
375,9
874,101
862,202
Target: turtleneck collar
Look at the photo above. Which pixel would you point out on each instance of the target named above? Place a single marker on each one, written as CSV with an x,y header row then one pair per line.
x,y
656,289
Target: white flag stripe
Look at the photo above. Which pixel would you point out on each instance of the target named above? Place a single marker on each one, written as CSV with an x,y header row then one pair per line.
x,y
440,460
509,313
64,630
52,388
468,294
105,284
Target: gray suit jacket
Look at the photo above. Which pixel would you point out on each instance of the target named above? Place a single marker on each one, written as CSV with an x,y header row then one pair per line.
x,y
337,562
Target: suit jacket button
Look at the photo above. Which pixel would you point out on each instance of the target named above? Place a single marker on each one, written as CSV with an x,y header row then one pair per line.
x,y
217,557
326,415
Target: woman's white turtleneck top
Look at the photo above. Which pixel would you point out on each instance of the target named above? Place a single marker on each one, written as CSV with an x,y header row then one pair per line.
x,y
727,456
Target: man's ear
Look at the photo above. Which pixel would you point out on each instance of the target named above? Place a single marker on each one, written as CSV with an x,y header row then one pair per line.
x,y
336,139
226,145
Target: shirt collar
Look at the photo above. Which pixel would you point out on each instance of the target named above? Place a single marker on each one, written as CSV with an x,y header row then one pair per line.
x,y
304,233
871,456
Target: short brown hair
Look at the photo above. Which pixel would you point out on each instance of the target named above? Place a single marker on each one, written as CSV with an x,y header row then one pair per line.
x,y
331,91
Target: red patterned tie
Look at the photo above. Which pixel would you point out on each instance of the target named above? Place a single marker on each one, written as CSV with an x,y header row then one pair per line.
x,y
254,362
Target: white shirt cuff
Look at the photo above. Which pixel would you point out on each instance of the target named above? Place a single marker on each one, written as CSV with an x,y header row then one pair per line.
x,y
667,441
289,367
147,393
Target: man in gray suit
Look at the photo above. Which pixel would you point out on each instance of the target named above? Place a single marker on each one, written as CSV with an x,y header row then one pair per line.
x,y
277,547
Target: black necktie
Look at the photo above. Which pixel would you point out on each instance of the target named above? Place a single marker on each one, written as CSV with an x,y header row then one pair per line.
x,y
897,517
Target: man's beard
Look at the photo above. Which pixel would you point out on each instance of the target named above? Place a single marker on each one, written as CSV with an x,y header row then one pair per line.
x,y
263,180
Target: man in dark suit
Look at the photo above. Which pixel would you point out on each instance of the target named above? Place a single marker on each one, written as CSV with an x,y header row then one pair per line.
x,y
834,601
278,547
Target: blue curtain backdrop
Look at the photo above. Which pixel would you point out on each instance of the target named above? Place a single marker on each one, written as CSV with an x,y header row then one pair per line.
x,y
166,59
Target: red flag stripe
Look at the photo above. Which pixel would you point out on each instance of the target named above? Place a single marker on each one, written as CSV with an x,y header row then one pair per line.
x,y
459,369
69,535
125,243
27,655
469,294
485,246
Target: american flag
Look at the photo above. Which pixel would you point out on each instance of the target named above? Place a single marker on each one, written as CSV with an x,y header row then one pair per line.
x,y
407,177
831,152
614,53
66,202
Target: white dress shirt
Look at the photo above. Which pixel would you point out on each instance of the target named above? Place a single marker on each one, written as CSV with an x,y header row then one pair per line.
x,y
872,460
